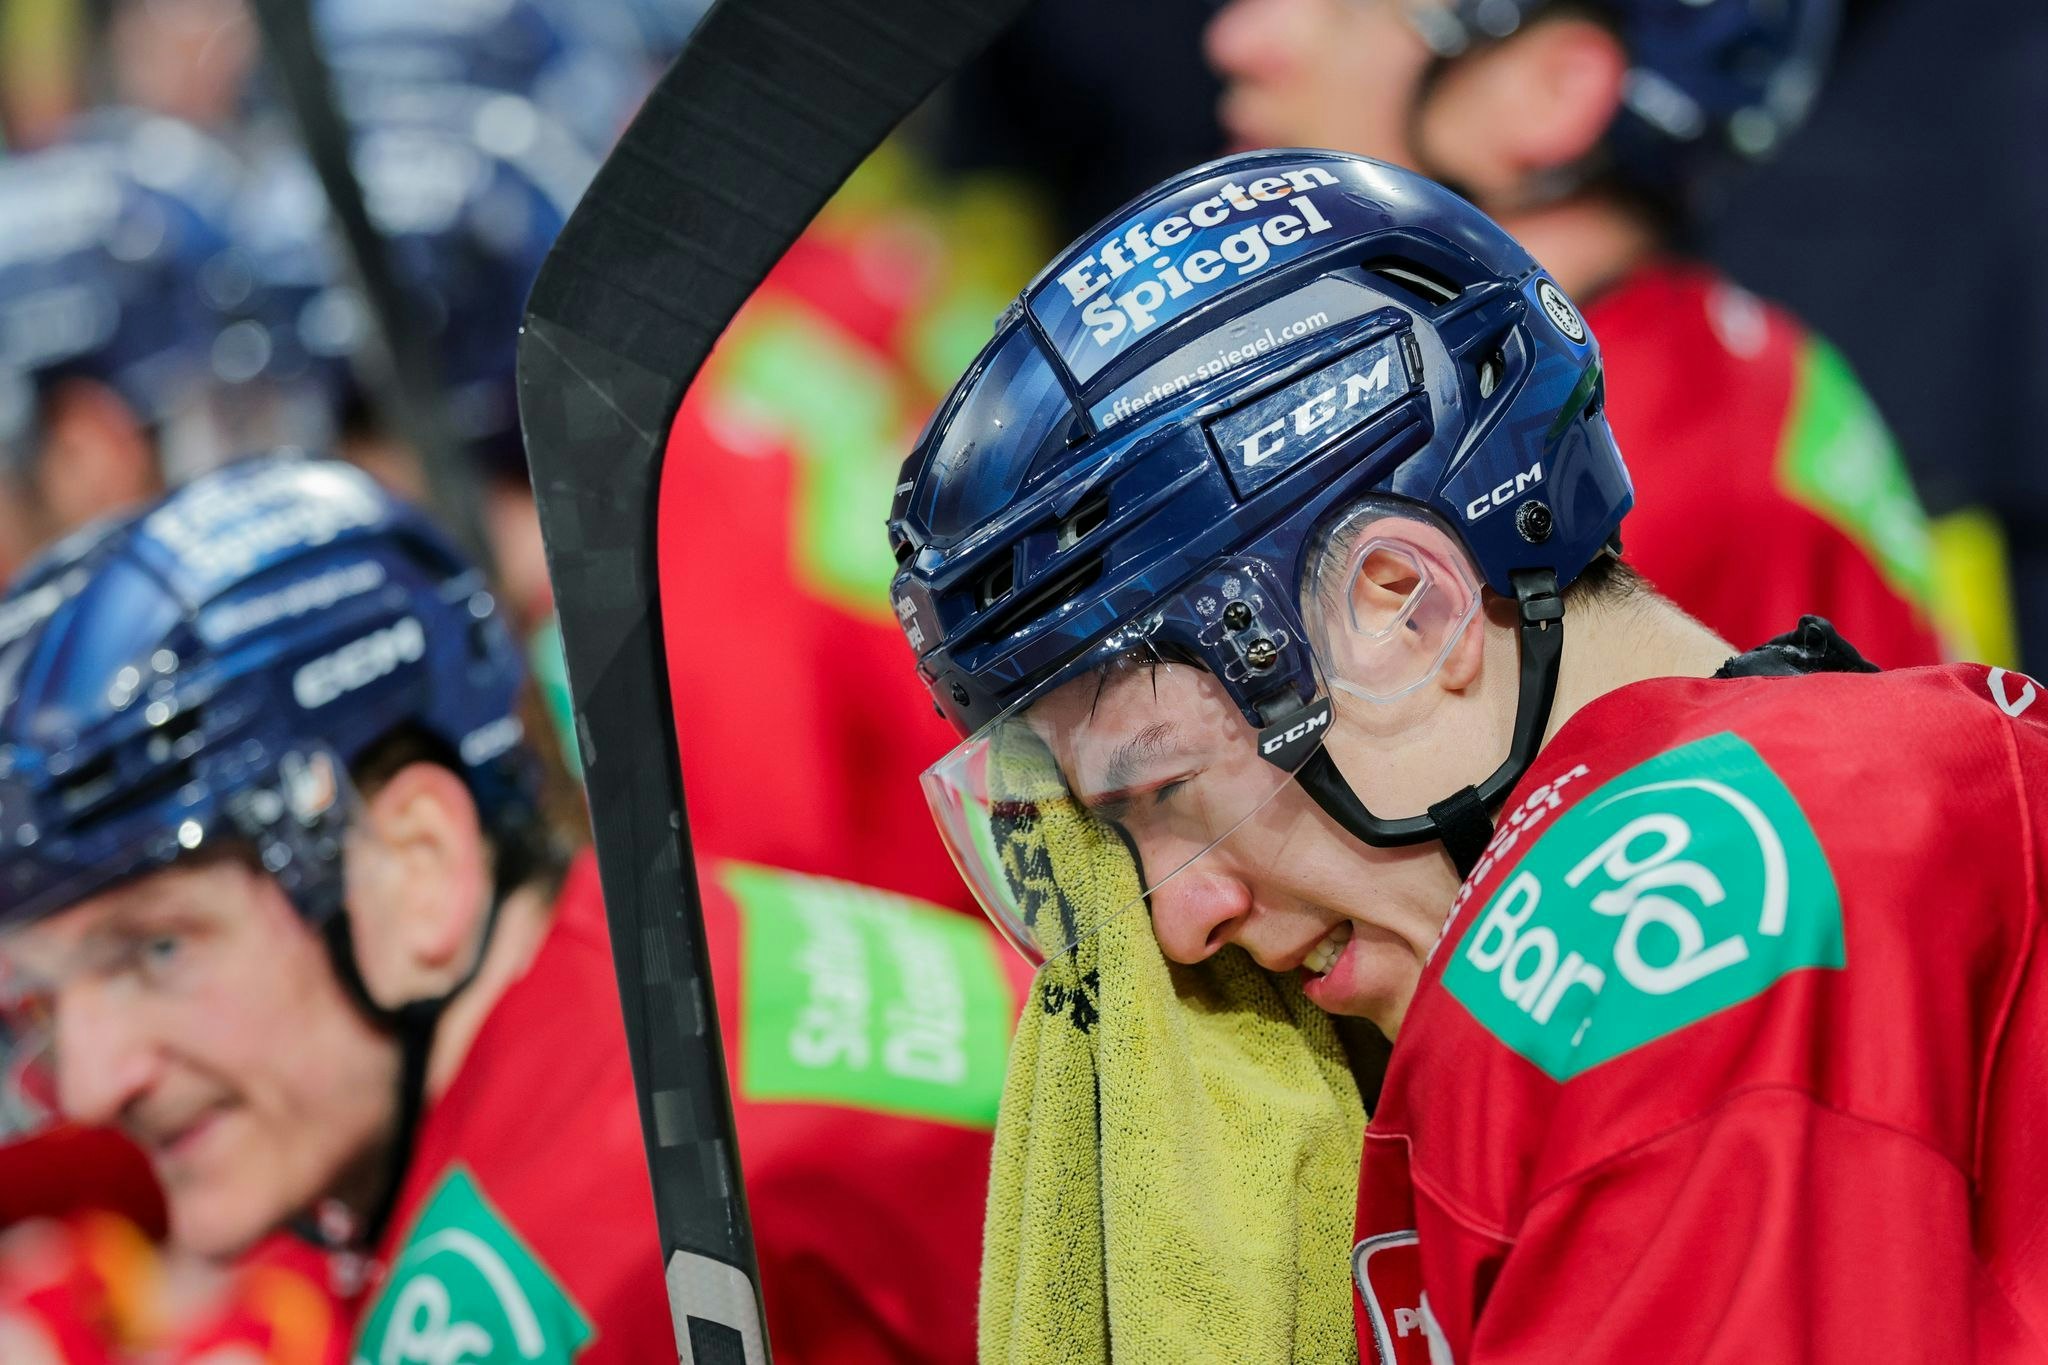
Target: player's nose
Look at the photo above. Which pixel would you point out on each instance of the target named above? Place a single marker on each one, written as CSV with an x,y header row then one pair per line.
x,y
103,1057
1198,910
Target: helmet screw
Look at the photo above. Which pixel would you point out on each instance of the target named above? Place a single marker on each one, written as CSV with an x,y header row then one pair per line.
x,y
1261,653
960,697
1237,616
1535,522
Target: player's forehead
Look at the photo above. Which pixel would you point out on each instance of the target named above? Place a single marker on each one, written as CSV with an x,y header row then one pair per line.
x,y
1132,709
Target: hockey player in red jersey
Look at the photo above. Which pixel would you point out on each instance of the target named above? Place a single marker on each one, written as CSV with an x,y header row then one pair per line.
x,y
274,894
1717,1031
1590,132
866,1035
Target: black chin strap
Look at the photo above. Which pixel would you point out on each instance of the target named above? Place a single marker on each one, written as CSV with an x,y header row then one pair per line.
x,y
413,1025
1466,827
1463,821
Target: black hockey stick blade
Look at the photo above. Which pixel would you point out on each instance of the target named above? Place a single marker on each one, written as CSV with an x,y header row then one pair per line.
x,y
406,384
768,109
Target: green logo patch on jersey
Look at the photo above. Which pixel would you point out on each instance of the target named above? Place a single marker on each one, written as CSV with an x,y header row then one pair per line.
x,y
857,997
465,1289
1687,884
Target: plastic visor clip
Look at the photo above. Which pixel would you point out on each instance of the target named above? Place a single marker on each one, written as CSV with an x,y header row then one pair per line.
x,y
1536,591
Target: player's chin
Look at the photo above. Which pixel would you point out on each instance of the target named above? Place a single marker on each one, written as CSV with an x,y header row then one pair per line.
x,y
1373,978
221,1209
221,1220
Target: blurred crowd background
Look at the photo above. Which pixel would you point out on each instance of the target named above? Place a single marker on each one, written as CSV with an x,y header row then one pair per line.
x,y
174,294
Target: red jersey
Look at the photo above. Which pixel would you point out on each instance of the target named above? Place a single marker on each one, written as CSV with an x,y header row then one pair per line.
x,y
801,723
67,1169
1734,1047
93,1289
866,1036
1742,429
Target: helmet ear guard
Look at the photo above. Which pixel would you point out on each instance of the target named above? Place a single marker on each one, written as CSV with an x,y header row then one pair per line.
x,y
1389,596
1462,820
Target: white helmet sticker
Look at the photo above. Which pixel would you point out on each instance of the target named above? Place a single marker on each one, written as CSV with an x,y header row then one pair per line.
x,y
1560,311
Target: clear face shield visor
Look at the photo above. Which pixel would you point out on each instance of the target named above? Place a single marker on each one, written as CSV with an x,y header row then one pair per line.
x,y
1078,804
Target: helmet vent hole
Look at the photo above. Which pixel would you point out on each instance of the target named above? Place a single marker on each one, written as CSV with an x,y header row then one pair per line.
x,y
1086,519
1042,598
1490,371
88,786
1414,279
999,583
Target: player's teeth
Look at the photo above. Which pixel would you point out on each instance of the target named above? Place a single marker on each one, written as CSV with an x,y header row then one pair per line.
x,y
1324,955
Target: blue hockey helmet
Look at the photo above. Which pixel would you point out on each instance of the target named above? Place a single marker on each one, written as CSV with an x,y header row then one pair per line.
x,y
468,188
1709,80
117,264
1164,450
583,64
209,668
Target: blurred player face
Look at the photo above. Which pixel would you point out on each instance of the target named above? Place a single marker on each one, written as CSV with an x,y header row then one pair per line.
x,y
1354,75
95,459
1343,74
196,1011
186,58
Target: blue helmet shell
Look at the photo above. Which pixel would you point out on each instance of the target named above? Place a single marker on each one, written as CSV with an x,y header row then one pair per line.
x,y
1710,81
582,63
1218,371
116,264
468,188
183,673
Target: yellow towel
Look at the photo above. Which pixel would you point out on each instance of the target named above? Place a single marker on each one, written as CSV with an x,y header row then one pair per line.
x,y
1176,1158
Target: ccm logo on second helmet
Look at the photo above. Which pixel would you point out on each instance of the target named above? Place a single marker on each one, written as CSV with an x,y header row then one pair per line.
x,y
1505,492
359,663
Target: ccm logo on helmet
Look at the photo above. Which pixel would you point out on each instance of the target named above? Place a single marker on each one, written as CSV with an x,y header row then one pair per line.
x,y
1315,412
1504,493
359,663
1294,734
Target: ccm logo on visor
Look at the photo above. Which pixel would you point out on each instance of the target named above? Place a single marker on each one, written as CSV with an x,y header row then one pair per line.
x,y
1283,742
1263,440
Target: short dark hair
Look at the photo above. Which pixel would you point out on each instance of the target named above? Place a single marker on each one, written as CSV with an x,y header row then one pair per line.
x,y
1607,580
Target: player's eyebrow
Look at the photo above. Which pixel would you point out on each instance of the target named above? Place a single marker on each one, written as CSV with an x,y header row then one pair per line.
x,y
1128,761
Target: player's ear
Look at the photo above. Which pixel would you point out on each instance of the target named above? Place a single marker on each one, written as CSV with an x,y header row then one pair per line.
x,y
419,883
1393,608
1561,93
1536,103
